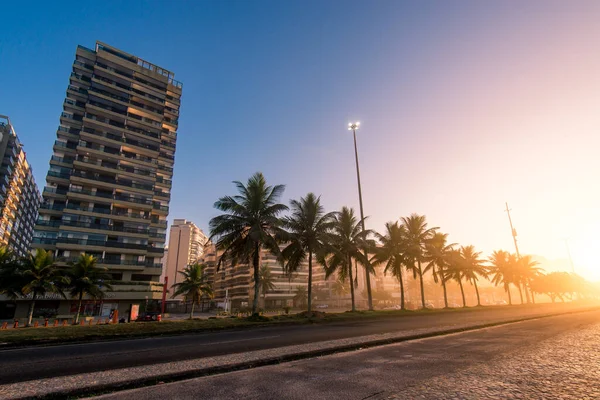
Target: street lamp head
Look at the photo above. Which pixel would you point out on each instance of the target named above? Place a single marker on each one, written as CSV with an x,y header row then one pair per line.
x,y
353,126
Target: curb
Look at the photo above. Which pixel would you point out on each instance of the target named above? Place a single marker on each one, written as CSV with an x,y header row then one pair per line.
x,y
64,387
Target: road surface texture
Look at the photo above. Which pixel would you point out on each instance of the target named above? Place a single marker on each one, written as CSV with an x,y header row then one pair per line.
x,y
33,363
549,358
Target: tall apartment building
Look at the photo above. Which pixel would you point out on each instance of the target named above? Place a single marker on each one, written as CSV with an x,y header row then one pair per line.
x,y
235,285
186,247
19,195
108,187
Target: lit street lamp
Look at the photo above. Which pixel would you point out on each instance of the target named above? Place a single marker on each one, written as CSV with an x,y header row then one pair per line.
x,y
353,126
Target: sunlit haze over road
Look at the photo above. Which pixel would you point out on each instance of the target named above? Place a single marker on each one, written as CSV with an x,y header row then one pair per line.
x,y
464,105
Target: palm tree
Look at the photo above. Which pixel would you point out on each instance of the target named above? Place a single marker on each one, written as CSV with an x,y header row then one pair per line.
x,y
301,296
391,252
501,270
308,227
345,243
267,282
417,235
11,274
194,285
41,276
436,255
473,267
251,222
516,277
85,278
455,270
528,270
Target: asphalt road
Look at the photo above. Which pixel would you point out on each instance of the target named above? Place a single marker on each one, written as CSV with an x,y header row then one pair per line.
x,y
549,358
18,365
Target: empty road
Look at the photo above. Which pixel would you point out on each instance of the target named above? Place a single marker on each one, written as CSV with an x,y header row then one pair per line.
x,y
549,358
32,363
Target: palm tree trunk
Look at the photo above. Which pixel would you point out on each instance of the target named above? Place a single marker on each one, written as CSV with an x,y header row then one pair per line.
x,y
351,282
422,287
520,293
445,293
462,292
192,312
31,307
531,290
402,307
309,283
526,293
477,292
79,308
255,262
507,288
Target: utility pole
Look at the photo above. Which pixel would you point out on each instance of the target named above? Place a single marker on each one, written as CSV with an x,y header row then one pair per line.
x,y
513,232
353,127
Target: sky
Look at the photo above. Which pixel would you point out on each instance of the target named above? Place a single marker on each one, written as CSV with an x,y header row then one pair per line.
x,y
464,105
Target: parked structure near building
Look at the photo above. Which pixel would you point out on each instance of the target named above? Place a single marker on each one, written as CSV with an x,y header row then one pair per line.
x,y
108,187
19,195
186,247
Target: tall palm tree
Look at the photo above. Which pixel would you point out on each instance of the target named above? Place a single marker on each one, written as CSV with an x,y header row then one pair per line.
x,y
41,276
251,222
417,234
437,250
267,282
528,269
501,270
346,242
473,267
194,285
391,252
85,278
516,276
455,270
308,227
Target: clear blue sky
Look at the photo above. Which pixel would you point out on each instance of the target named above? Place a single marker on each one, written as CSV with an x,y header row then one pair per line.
x,y
463,104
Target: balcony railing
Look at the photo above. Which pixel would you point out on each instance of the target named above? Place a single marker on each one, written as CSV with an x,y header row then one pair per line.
x,y
137,171
164,168
61,175
142,132
105,227
133,199
38,240
140,144
97,210
101,243
129,215
54,190
67,145
55,207
144,94
139,157
91,193
159,207
42,222
108,94
165,155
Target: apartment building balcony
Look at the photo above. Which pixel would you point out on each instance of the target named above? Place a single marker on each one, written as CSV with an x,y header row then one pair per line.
x,y
99,245
131,201
60,146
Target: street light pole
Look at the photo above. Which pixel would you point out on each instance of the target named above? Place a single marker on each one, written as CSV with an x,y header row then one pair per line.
x,y
353,127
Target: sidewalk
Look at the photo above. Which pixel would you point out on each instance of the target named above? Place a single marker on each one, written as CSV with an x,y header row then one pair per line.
x,y
150,374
